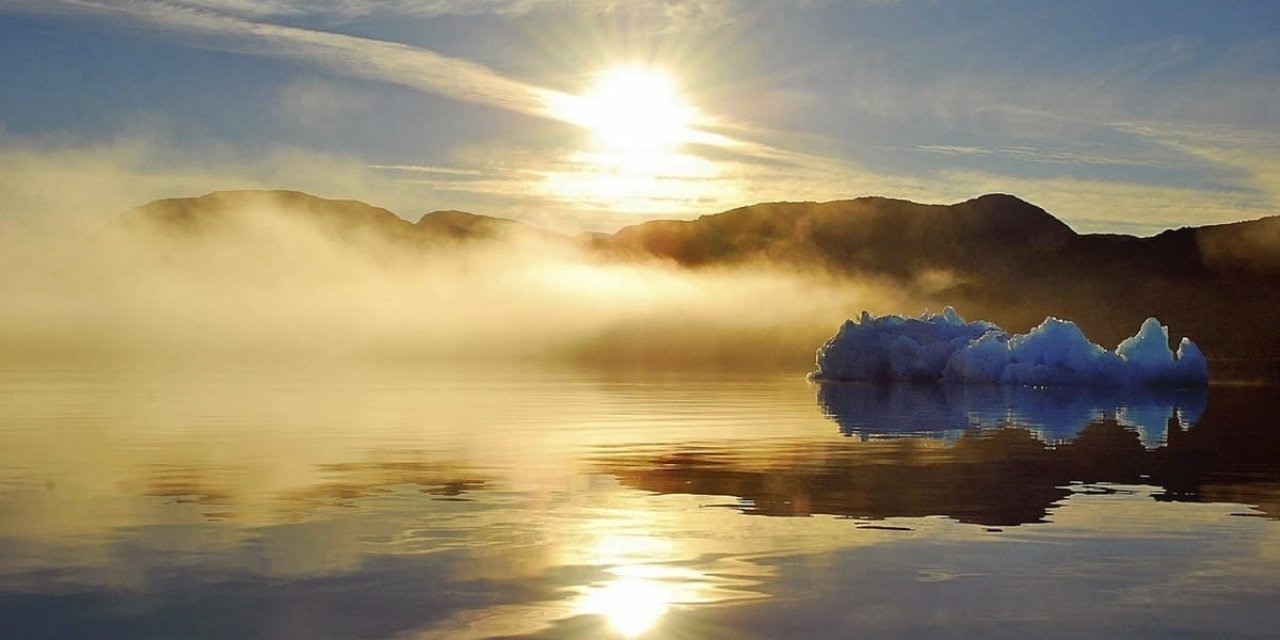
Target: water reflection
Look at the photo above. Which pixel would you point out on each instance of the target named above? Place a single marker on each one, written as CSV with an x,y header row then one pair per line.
x,y
989,469
1054,413
429,504
341,484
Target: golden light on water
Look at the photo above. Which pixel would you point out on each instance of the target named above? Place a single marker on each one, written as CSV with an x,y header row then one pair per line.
x,y
643,586
631,604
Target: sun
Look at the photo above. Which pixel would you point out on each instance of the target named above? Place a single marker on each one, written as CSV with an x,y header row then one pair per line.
x,y
632,109
643,154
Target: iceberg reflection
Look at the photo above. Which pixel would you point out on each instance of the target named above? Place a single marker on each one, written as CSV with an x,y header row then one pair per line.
x,y
980,455
1054,414
926,451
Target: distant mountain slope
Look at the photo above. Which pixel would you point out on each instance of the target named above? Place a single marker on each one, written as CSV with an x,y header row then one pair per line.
x,y
212,210
999,258
866,234
220,209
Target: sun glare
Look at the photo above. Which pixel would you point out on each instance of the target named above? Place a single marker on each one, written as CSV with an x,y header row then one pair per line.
x,y
639,158
633,109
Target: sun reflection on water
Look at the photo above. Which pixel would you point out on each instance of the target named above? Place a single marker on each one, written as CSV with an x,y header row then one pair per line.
x,y
631,604
642,587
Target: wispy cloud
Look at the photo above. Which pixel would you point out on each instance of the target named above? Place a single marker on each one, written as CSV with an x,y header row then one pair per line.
x,y
345,54
1245,158
676,12
1048,156
416,168
342,9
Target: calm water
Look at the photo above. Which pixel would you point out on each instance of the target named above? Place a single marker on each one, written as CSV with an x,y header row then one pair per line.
x,y
443,503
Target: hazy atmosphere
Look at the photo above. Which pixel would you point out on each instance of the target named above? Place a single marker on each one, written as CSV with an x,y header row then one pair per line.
x,y
680,319
268,283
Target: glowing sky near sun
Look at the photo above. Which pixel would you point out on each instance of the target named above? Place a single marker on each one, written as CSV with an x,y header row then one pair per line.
x,y
1132,116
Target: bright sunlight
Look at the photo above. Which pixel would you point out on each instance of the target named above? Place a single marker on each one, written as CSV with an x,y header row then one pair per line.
x,y
638,122
632,110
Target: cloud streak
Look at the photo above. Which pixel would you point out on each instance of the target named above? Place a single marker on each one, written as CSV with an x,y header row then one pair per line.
x,y
1045,156
1246,158
344,54
674,10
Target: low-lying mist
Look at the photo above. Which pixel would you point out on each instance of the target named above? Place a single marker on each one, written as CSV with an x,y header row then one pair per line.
x,y
269,283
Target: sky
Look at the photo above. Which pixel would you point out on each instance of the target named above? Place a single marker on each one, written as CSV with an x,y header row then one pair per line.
x,y
1129,117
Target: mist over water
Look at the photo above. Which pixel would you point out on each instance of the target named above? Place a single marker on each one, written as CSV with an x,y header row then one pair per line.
x,y
265,281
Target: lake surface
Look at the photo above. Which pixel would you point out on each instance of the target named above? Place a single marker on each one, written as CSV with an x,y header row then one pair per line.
x,y
430,502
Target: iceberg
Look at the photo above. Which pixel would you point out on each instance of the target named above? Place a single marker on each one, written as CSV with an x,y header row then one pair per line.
x,y
945,348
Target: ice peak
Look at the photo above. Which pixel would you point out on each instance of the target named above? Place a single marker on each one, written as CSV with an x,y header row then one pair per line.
x,y
943,347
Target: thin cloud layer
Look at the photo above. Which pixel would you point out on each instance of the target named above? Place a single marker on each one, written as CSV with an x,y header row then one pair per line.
x,y
349,55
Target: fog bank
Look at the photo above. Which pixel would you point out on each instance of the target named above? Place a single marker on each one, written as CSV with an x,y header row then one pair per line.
x,y
265,281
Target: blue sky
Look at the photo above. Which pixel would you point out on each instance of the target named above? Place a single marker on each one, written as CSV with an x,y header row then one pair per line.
x,y
1115,116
